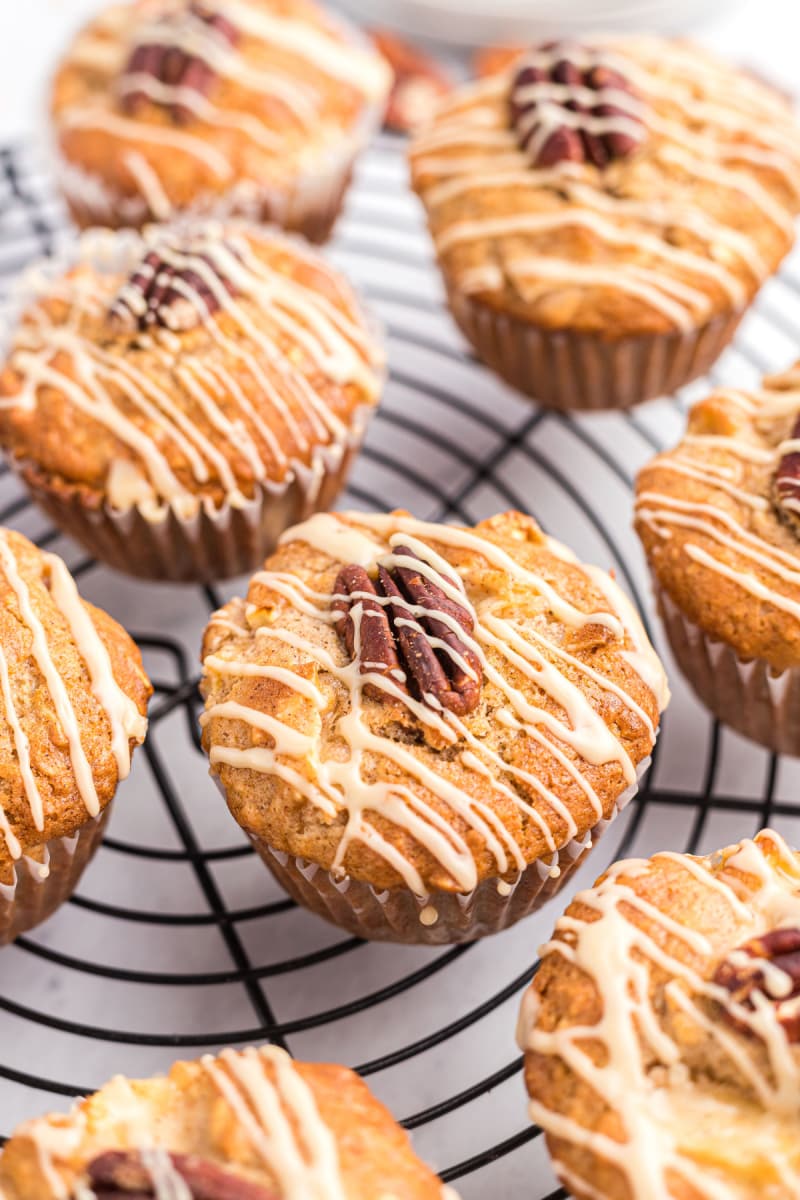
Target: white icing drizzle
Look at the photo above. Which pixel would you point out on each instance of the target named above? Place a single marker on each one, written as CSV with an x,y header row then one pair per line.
x,y
323,49
573,737
667,1114
168,1184
125,721
278,1115
724,545
469,148
97,381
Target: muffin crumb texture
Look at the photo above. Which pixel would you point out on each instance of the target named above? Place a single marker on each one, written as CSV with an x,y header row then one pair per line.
x,y
249,1124
661,1036
423,706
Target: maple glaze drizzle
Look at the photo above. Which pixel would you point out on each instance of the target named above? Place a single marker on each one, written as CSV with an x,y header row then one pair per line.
x,y
126,723
124,397
471,148
720,533
573,739
675,1123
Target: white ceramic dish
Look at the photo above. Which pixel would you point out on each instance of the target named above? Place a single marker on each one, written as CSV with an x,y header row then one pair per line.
x,y
467,22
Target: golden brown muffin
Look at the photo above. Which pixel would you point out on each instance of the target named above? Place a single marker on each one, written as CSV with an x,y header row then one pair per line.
x,y
422,728
248,1125
662,1031
73,698
603,214
719,518
175,399
249,107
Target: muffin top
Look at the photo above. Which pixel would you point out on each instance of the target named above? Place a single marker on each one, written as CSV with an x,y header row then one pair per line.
x,y
427,705
73,698
188,365
247,1125
171,102
662,1030
719,517
633,186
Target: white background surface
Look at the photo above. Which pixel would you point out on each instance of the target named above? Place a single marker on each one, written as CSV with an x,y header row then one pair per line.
x,y
47,992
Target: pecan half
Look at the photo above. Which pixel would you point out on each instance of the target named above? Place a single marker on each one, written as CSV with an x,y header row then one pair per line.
x,y
774,973
173,66
170,289
409,646
419,82
124,1175
553,84
787,484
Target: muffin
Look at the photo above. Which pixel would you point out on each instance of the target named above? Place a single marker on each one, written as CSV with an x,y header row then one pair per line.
x,y
719,519
662,1030
247,1125
424,728
74,697
254,108
175,399
603,214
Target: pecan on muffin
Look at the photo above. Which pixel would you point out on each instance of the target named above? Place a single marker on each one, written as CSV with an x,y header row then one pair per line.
x,y
176,399
662,1031
73,699
719,518
254,108
245,1125
603,214
423,728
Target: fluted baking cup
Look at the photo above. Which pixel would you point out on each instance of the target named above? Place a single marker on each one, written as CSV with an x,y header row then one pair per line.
x,y
441,918
213,542
42,886
573,371
750,696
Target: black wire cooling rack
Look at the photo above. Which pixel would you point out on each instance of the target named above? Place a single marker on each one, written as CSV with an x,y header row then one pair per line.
x,y
177,941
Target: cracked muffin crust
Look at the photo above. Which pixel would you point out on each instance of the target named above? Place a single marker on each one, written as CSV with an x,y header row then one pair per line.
x,y
247,1125
422,727
717,517
660,1032
73,698
250,107
175,399
603,214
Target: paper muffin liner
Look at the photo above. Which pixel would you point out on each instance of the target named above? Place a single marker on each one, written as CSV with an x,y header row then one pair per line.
x,y
441,918
39,888
572,371
212,543
747,695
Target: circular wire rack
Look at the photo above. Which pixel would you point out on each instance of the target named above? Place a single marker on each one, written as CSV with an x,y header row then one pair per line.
x,y
177,941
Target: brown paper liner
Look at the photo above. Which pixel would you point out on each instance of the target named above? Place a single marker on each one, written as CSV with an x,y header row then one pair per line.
x,y
578,371
748,696
31,899
310,207
398,915
212,544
